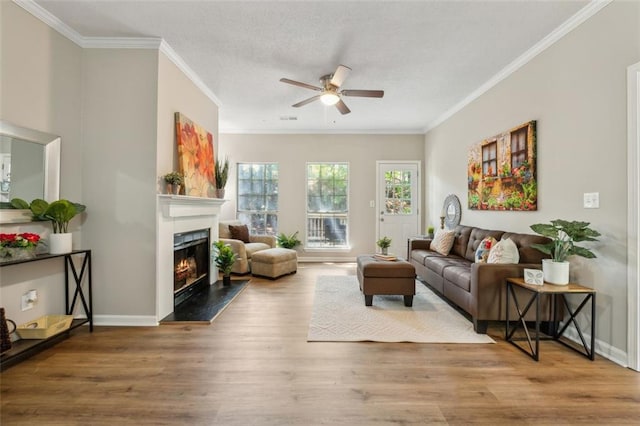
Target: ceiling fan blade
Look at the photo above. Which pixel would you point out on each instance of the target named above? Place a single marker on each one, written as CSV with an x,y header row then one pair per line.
x,y
300,84
364,93
342,107
306,101
340,75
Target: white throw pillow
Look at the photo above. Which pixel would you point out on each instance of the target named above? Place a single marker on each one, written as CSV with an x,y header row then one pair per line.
x,y
505,251
443,241
483,250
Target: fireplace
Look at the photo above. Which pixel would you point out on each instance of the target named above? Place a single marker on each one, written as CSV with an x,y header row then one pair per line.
x,y
179,214
191,260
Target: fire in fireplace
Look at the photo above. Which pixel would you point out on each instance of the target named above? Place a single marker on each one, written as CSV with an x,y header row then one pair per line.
x,y
190,264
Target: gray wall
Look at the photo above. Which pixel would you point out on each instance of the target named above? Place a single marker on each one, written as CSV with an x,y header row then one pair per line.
x,y
40,89
119,177
113,109
576,90
292,152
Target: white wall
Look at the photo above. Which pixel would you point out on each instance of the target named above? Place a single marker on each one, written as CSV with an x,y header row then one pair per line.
x,y
576,90
292,152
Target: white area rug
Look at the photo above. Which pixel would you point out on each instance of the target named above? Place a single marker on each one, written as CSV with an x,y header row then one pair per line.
x,y
340,315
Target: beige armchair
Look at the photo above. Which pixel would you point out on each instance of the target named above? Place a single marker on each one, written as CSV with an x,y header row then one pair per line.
x,y
241,249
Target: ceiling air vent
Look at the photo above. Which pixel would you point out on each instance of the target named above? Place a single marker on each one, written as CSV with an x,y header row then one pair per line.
x,y
288,118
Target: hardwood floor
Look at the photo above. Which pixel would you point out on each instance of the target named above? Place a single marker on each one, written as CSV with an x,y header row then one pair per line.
x,y
253,366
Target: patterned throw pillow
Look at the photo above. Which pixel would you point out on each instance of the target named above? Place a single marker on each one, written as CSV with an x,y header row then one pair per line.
x,y
504,251
482,252
443,241
240,233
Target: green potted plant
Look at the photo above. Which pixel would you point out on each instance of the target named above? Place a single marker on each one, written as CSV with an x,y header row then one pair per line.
x,y
430,231
384,243
563,235
288,241
174,181
59,213
224,258
221,172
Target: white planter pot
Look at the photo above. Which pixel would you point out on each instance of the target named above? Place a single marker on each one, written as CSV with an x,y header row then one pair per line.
x,y
60,243
555,272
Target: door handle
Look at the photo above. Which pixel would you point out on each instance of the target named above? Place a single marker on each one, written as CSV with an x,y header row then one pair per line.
x,y
382,219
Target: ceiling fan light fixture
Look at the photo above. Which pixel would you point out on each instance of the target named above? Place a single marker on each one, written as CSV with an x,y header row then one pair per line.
x,y
329,98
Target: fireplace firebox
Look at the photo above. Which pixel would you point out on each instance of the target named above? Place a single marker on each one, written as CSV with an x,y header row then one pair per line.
x,y
191,260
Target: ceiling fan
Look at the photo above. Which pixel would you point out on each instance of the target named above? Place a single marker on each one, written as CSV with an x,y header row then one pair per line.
x,y
330,92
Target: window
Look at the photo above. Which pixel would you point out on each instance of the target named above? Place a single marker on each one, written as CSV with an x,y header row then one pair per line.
x,y
489,162
397,192
327,205
519,147
258,197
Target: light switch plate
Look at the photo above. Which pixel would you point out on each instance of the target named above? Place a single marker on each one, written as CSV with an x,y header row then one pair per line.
x,y
591,200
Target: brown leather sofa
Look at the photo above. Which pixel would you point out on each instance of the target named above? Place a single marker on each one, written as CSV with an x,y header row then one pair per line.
x,y
477,288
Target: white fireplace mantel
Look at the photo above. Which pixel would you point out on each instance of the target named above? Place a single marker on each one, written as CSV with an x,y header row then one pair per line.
x,y
175,214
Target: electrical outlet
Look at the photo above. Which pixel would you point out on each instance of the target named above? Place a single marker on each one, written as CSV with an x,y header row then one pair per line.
x,y
29,299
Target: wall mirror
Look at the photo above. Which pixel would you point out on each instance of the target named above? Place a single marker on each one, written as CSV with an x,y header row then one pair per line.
x,y
452,211
29,166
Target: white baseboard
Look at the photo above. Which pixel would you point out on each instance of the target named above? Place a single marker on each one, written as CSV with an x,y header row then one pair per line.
x,y
126,320
603,349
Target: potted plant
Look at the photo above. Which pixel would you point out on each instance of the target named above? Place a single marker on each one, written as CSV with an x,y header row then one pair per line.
x,y
18,246
563,235
59,213
430,231
288,241
174,181
384,243
221,171
224,258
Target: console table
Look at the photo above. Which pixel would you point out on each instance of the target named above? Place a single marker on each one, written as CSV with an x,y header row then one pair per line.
x,y
556,292
24,348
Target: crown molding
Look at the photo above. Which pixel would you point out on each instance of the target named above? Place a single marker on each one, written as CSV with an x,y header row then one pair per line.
x,y
117,43
45,16
569,25
186,69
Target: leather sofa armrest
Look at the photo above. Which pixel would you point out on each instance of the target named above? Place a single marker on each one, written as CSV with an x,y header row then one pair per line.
x,y
266,239
420,244
488,286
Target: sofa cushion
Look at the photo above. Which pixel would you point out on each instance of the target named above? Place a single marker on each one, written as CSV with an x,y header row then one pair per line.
x,y
223,227
420,255
505,251
461,240
460,276
240,232
255,247
527,253
438,263
477,235
482,252
442,242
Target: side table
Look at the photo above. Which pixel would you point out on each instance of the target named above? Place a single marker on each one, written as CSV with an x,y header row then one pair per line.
x,y
558,294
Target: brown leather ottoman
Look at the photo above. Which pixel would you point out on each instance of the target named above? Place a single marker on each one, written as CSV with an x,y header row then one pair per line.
x,y
386,277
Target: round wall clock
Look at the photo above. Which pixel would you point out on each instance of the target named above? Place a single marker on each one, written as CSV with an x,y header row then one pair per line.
x,y
452,211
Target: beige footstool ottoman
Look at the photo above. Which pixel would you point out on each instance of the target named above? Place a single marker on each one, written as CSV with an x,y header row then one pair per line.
x,y
386,277
274,262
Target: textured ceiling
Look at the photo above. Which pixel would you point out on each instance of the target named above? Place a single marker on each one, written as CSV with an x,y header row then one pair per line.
x,y
427,56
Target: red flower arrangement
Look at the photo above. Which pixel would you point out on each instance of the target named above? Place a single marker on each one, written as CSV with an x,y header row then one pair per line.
x,y
25,240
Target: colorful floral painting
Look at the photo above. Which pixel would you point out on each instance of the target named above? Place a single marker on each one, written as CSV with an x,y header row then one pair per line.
x,y
501,172
195,157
